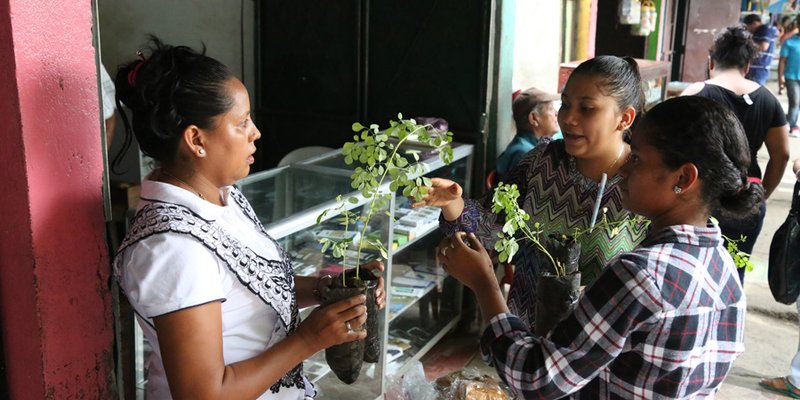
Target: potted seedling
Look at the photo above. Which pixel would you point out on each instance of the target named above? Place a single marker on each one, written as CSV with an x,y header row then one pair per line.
x,y
559,279
558,283
379,156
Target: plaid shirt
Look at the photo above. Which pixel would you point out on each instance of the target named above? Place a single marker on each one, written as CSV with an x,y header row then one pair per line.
x,y
663,321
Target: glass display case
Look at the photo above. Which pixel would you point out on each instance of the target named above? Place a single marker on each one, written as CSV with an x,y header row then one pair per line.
x,y
423,303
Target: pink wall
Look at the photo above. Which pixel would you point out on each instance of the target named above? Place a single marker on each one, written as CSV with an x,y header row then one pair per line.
x,y
55,307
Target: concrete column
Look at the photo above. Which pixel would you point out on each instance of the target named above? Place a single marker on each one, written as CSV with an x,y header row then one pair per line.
x,y
55,306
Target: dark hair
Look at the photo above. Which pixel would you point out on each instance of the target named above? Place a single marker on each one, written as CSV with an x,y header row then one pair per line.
x,y
693,129
172,88
620,80
751,18
734,48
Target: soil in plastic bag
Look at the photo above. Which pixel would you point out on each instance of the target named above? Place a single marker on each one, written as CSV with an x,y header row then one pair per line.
x,y
556,294
563,248
555,298
345,359
372,344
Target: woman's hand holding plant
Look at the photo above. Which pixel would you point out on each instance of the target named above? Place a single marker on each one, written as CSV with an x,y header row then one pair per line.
x,y
335,323
472,266
377,267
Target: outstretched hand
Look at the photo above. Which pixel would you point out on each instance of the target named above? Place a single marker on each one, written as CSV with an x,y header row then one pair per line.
x,y
335,323
441,193
469,263
380,294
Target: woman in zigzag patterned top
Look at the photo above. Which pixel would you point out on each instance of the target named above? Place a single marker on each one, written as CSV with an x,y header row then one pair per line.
x,y
215,295
559,180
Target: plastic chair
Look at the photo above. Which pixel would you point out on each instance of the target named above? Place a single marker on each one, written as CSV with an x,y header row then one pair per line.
x,y
491,179
508,268
302,153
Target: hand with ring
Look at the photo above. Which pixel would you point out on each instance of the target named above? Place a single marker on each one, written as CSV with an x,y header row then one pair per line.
x,y
323,327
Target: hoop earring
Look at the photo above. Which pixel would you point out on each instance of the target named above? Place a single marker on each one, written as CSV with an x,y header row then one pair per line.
x,y
677,189
201,152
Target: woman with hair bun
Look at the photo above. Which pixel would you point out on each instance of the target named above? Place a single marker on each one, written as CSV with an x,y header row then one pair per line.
x,y
761,116
663,321
215,295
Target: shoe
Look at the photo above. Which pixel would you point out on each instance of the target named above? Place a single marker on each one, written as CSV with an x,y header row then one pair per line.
x,y
795,132
780,385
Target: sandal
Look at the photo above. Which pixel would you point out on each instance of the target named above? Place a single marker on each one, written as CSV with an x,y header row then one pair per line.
x,y
780,385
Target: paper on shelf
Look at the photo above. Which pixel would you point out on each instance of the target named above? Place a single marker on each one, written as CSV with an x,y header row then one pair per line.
x,y
412,282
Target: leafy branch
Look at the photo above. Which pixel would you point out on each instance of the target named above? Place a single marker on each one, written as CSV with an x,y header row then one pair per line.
x,y
377,156
740,258
505,202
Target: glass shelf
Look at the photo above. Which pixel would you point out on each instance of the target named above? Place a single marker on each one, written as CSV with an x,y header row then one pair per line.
x,y
289,200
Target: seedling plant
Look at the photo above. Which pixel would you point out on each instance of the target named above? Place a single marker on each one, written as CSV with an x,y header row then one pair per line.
x,y
379,155
505,202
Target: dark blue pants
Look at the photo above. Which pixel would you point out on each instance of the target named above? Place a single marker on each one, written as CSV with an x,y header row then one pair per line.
x,y
759,75
749,227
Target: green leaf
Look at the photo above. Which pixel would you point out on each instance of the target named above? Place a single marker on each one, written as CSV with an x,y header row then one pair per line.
x,y
353,200
357,127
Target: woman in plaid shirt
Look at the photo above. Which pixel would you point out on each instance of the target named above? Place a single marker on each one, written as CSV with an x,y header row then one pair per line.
x,y
665,320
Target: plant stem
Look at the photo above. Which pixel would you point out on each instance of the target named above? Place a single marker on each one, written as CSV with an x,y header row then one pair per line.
x,y
532,237
374,197
344,255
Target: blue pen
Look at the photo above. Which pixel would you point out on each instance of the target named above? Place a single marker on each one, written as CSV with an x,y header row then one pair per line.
x,y
600,189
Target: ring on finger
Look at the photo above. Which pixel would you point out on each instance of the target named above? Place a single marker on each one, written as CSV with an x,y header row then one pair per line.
x,y
347,325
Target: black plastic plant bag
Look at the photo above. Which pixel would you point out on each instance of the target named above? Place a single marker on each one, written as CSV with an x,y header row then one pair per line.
x,y
557,289
344,359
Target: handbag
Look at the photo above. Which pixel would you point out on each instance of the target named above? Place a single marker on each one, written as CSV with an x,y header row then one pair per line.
x,y
784,256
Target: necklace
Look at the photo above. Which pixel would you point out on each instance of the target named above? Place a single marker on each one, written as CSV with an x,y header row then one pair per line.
x,y
183,182
621,150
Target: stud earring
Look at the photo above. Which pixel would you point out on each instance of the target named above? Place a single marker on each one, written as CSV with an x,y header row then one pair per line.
x,y
677,189
201,152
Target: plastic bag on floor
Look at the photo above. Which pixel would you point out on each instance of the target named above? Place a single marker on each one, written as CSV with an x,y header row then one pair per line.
x,y
411,385
469,384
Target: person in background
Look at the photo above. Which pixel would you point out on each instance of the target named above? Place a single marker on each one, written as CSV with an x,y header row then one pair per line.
x,y
788,385
764,35
761,115
789,78
559,180
663,321
215,295
535,118
789,30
